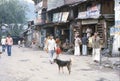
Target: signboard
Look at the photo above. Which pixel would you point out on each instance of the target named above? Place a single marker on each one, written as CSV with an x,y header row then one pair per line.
x,y
65,16
82,15
56,17
114,30
84,22
92,12
39,6
60,17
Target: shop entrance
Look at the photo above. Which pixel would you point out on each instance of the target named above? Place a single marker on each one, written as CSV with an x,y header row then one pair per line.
x,y
64,35
92,27
49,31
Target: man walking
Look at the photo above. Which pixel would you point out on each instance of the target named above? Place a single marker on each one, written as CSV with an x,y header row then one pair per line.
x,y
9,43
51,48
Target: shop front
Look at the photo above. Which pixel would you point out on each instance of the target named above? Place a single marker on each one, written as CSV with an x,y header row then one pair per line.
x,y
88,26
60,31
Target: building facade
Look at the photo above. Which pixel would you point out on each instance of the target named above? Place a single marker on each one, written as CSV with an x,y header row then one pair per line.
x,y
39,32
115,30
68,17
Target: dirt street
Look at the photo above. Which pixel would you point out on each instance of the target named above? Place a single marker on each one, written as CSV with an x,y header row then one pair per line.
x,y
27,64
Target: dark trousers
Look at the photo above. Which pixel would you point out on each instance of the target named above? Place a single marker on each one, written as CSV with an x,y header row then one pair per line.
x,y
9,50
90,50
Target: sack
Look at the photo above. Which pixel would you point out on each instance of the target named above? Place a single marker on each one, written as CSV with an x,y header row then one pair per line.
x,y
58,50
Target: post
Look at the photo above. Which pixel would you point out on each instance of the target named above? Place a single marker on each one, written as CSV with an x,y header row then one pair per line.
x,y
71,33
100,58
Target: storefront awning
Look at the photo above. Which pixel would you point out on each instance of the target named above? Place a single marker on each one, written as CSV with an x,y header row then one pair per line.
x,y
53,4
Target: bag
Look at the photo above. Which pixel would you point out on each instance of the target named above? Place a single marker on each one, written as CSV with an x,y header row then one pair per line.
x,y
58,50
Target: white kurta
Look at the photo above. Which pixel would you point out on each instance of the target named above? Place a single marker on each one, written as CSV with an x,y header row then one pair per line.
x,y
77,46
96,54
77,50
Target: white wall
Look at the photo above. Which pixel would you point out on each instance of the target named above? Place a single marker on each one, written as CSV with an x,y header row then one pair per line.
x,y
116,43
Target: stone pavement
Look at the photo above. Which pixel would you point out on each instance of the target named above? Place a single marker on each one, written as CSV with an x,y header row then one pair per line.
x,y
28,64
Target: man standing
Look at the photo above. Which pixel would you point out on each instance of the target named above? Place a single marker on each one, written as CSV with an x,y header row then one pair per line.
x,y
84,45
3,42
90,45
77,46
96,47
51,48
9,43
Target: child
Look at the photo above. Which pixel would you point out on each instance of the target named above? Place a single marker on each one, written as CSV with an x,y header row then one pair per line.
x,y
58,51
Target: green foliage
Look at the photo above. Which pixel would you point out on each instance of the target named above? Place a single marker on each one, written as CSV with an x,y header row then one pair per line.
x,y
12,11
16,30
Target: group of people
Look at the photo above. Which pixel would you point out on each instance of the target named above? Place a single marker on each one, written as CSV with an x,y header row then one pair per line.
x,y
7,42
91,42
52,46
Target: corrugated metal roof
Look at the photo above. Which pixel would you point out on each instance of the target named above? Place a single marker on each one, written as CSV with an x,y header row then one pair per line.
x,y
52,4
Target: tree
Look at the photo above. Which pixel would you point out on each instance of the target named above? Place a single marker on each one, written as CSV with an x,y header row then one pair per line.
x,y
15,29
12,11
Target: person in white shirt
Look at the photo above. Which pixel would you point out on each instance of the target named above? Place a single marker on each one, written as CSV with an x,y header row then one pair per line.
x,y
3,42
19,44
77,46
89,32
51,45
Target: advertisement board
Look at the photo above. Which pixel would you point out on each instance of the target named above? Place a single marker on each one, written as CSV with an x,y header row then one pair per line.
x,y
114,30
92,12
56,17
60,17
65,16
82,15
39,6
